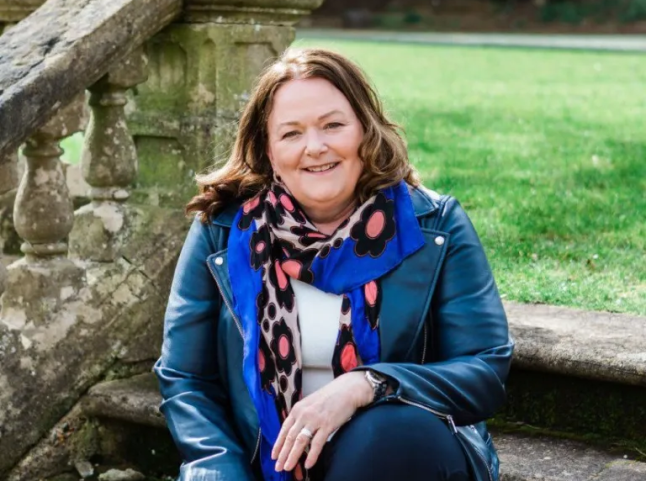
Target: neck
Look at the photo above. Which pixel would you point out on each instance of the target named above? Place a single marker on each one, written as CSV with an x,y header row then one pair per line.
x,y
327,220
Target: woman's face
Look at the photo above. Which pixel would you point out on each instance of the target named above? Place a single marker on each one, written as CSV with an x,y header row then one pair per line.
x,y
314,138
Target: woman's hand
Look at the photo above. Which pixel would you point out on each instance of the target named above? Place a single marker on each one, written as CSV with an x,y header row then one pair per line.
x,y
322,412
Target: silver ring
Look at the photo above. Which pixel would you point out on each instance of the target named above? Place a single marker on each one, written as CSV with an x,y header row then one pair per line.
x,y
307,433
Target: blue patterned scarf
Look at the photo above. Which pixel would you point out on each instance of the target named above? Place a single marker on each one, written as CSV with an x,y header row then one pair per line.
x,y
272,240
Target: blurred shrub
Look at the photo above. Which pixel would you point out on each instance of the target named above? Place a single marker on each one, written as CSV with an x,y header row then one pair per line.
x,y
635,11
412,17
567,12
574,12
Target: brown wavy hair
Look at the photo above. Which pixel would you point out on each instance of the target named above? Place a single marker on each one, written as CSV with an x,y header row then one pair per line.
x,y
248,170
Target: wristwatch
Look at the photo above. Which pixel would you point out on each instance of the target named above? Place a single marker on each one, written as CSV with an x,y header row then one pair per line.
x,y
378,382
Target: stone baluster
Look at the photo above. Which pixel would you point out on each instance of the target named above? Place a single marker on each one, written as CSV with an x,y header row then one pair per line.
x,y
43,211
201,72
43,216
109,163
11,12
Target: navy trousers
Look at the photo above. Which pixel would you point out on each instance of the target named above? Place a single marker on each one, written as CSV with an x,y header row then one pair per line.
x,y
392,442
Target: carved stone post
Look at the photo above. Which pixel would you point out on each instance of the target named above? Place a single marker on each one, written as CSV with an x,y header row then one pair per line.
x,y
200,75
11,12
43,217
109,162
43,211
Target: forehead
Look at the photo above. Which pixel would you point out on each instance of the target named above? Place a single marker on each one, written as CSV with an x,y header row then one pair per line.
x,y
304,97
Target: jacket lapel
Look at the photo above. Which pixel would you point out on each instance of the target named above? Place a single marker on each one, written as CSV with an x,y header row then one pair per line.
x,y
407,293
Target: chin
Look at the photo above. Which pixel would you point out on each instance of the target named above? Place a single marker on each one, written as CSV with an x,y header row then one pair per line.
x,y
323,198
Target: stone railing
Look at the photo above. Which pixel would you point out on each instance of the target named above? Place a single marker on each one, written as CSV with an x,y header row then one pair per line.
x,y
157,87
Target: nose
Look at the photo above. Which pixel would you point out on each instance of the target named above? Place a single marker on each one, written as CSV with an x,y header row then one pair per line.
x,y
315,144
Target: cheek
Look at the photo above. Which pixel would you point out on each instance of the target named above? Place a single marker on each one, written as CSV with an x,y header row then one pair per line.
x,y
285,157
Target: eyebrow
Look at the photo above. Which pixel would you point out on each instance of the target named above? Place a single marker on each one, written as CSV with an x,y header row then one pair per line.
x,y
294,122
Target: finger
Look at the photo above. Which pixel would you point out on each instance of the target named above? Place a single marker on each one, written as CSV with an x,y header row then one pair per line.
x,y
289,422
316,446
302,441
288,443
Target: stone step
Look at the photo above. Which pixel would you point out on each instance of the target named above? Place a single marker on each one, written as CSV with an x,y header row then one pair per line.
x,y
593,345
578,371
532,458
135,400
523,457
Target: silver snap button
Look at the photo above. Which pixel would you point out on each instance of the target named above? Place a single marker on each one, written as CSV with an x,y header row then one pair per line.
x,y
219,261
439,240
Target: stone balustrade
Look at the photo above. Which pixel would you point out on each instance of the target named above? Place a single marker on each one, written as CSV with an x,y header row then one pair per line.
x,y
90,291
8,184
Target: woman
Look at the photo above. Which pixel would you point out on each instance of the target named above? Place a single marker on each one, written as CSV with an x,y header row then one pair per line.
x,y
330,319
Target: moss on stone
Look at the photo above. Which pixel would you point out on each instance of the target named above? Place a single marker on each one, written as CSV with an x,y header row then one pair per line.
x,y
609,412
85,442
150,449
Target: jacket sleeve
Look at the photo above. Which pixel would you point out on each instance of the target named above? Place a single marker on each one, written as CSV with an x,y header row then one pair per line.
x,y
195,403
469,339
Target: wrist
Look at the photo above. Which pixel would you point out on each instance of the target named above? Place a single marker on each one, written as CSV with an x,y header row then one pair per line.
x,y
364,391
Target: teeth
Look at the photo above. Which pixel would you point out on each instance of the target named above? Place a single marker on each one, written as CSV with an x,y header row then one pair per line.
x,y
322,168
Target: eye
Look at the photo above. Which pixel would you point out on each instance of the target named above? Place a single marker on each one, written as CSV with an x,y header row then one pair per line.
x,y
289,134
334,125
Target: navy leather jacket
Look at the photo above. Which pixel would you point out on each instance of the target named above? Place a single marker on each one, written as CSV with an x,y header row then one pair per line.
x,y
443,330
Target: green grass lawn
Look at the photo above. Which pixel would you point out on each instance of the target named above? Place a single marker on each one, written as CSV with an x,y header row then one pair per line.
x,y
546,151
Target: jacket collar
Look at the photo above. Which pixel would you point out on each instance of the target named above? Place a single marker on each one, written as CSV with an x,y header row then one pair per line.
x,y
425,202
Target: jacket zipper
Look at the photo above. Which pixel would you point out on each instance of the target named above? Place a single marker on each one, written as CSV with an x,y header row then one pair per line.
x,y
425,343
451,423
473,428
239,326
447,417
255,451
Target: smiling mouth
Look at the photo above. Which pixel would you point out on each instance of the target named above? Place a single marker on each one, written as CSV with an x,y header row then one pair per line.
x,y
322,168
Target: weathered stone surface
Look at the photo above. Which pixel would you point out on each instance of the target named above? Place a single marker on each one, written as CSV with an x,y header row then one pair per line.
x,y
3,275
9,173
546,459
64,477
594,345
85,37
37,290
89,332
184,117
43,210
12,11
282,12
100,231
135,400
76,184
623,471
119,475
72,438
84,468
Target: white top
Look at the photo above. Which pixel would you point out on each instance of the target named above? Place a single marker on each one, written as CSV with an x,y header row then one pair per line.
x,y
318,315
